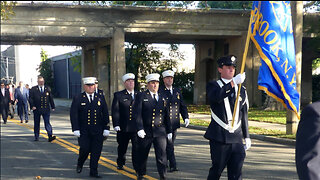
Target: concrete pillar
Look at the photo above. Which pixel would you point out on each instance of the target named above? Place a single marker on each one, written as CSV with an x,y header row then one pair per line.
x,y
102,70
204,54
87,66
117,62
297,24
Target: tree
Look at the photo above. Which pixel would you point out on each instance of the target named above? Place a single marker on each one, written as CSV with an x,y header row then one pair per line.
x,y
45,69
7,9
226,4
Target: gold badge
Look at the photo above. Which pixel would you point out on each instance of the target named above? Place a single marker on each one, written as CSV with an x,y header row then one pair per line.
x,y
178,96
99,103
47,94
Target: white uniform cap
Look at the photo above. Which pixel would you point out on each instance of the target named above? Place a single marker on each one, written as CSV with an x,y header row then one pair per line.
x,y
168,73
89,80
128,76
152,77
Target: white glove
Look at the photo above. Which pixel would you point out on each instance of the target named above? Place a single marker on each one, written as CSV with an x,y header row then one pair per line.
x,y
248,143
106,133
76,133
141,133
186,121
239,79
169,136
117,128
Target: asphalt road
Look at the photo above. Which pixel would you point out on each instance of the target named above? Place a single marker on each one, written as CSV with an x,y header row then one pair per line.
x,y
23,158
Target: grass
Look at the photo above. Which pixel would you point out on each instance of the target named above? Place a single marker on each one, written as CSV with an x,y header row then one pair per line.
x,y
254,114
252,130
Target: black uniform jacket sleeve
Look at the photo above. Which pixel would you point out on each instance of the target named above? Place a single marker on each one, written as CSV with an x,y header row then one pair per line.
x,y
116,109
308,143
74,114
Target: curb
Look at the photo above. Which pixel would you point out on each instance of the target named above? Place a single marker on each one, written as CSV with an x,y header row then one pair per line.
x,y
283,141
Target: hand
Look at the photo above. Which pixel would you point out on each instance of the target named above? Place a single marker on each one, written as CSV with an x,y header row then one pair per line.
x,y
248,144
186,121
76,133
117,128
169,136
106,133
141,133
53,109
34,108
16,100
239,79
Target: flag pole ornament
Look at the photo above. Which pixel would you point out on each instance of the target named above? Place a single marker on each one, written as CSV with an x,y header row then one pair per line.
x,y
272,34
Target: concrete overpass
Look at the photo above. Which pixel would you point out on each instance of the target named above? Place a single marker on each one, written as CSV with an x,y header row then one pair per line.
x,y
102,31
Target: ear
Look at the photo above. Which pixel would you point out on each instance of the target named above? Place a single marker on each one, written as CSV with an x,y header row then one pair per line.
x,y
220,69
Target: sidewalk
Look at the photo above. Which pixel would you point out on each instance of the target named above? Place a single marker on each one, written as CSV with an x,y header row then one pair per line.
x,y
273,126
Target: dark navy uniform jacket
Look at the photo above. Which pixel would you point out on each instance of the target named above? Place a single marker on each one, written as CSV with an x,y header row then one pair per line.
x,y
308,143
122,111
89,117
216,97
4,100
42,101
176,106
152,116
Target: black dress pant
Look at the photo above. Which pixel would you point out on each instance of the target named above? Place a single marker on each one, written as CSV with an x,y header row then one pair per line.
x,y
90,143
230,155
170,150
159,144
123,139
4,113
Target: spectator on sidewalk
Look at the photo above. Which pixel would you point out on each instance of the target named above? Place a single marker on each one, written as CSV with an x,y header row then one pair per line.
x,y
4,102
308,143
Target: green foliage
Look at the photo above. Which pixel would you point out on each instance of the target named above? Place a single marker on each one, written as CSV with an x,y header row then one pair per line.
x,y
226,4
185,81
45,69
315,88
316,64
269,116
76,61
7,9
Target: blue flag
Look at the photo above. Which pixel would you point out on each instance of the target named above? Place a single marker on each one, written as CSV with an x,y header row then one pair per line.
x,y
272,34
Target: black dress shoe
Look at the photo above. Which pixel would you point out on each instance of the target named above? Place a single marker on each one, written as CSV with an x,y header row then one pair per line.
x,y
21,121
27,121
51,138
95,175
5,122
139,177
36,139
79,169
174,169
120,167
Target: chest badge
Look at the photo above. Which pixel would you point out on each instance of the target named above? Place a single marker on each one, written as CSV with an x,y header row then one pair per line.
x,y
99,103
47,94
178,96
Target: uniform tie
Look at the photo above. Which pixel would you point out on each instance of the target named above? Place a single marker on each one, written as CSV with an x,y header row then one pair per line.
x,y
90,98
154,97
131,96
41,90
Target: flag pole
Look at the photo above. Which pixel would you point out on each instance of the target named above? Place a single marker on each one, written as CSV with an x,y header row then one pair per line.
x,y
244,57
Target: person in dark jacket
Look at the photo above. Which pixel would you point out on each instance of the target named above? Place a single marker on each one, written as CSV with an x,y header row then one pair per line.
x,y
153,126
4,102
308,143
90,123
225,138
21,96
41,100
176,106
123,122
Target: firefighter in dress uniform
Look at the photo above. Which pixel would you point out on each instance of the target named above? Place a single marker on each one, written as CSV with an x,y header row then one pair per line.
x,y
176,106
90,123
122,120
226,141
153,125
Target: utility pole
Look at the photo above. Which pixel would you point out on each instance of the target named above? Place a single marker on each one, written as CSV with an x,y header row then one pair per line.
x,y
7,69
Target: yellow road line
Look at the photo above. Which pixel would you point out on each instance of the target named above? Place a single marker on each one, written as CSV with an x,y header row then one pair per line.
x,y
74,148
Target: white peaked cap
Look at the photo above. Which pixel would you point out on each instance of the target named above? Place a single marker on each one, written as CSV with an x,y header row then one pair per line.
x,y
168,73
128,76
89,80
152,77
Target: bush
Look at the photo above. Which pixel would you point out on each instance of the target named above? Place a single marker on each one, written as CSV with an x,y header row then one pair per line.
x,y
185,81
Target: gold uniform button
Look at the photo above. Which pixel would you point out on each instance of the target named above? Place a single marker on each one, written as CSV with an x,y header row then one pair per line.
x,y
153,114
95,110
160,110
130,119
154,109
130,106
88,110
176,106
176,113
170,110
153,117
160,118
130,112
